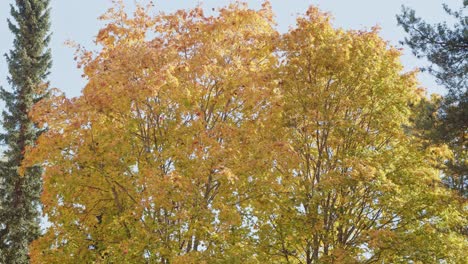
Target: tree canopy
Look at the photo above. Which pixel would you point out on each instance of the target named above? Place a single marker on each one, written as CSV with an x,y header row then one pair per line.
x,y
216,139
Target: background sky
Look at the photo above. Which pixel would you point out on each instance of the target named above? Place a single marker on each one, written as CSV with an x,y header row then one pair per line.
x,y
76,20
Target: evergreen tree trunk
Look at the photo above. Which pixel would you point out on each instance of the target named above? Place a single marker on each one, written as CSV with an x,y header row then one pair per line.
x,y
29,63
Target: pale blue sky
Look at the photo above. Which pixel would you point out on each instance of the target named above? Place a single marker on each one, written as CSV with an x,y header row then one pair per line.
x,y
77,20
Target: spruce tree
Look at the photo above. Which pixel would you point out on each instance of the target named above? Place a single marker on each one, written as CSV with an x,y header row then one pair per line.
x,y
29,62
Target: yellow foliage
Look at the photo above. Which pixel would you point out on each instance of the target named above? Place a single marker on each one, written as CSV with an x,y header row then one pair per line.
x,y
219,140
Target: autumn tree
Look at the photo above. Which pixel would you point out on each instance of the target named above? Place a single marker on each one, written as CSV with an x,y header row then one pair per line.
x,y
350,186
215,139
152,162
28,62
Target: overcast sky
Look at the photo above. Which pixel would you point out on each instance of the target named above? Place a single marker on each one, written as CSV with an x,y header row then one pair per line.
x,y
76,20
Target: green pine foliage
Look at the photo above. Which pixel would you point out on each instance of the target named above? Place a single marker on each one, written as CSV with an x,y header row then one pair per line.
x,y
29,63
445,46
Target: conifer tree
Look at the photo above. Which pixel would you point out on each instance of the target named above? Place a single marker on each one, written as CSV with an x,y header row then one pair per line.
x,y
445,46
29,62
